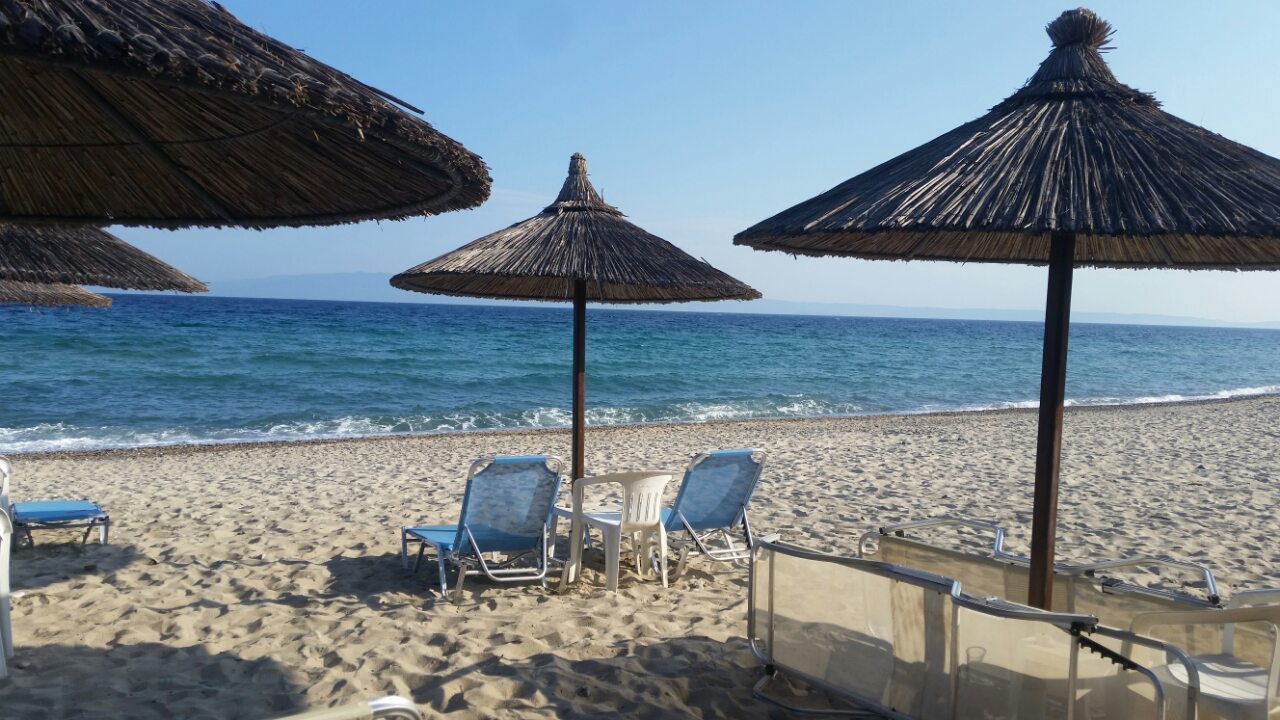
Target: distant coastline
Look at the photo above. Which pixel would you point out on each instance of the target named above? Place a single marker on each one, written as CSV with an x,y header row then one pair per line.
x,y
374,287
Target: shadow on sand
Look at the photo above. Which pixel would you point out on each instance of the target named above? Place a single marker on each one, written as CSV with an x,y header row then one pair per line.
x,y
147,680
371,577
46,564
677,677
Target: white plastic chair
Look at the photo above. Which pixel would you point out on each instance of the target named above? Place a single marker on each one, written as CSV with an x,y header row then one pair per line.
x,y
1231,687
640,519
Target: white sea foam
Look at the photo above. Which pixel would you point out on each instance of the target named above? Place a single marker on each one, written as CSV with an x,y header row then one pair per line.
x,y
1109,401
48,437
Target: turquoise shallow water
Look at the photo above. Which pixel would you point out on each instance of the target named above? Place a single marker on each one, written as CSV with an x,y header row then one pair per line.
x,y
164,369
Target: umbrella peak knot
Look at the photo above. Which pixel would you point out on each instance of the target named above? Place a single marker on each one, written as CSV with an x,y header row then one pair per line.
x,y
1080,27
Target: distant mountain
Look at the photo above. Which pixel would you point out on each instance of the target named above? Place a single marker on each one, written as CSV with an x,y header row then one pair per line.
x,y
374,287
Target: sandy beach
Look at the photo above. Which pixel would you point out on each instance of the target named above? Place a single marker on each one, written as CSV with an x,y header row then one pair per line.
x,y
246,581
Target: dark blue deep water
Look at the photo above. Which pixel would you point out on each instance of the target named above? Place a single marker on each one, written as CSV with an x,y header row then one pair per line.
x,y
162,369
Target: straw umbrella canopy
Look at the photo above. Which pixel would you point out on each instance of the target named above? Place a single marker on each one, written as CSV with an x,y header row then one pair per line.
x,y
173,113
78,255
578,249
1074,168
16,292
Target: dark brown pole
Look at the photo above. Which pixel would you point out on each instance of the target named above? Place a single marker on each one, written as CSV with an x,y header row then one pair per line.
x,y
579,374
1053,385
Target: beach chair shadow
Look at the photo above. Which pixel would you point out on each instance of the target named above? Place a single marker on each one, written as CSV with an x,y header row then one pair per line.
x,y
371,578
641,679
377,580
150,679
44,565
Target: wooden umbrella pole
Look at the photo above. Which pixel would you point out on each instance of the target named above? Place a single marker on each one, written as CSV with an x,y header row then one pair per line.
x,y
579,375
1053,383
570,572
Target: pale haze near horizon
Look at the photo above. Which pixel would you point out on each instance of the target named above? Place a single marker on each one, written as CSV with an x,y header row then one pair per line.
x,y
700,119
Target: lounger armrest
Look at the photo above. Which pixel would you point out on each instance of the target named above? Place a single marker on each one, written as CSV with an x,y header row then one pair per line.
x,y
1265,613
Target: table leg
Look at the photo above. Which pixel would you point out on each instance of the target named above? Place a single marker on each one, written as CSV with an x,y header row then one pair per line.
x,y
571,567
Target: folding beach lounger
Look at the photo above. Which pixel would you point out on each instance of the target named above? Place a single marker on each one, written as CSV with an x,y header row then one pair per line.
x,y
712,501
898,642
1231,650
52,514
506,509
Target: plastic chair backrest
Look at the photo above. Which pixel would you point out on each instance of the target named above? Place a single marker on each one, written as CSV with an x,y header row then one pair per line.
x,y
641,500
509,500
716,489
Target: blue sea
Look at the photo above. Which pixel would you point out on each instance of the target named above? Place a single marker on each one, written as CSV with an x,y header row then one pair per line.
x,y
156,370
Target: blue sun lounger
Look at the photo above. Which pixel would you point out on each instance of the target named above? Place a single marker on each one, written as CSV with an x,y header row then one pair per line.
x,y
506,510
52,514
712,501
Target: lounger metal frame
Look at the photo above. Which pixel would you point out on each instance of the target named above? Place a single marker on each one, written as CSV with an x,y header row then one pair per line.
x,y
473,563
101,521
729,553
1077,625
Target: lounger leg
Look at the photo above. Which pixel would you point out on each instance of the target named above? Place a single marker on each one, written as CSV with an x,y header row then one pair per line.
x,y
444,581
545,559
88,531
462,579
662,553
104,530
551,547
612,549
422,549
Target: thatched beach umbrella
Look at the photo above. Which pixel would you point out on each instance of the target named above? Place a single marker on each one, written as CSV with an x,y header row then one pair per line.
x,y
578,249
1074,168
172,113
15,292
80,255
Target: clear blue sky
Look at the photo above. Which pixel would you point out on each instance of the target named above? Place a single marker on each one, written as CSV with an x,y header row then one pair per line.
x,y
700,118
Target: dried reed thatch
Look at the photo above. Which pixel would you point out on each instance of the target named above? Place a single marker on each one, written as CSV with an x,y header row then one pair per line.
x,y
577,237
1073,151
84,256
173,113
13,292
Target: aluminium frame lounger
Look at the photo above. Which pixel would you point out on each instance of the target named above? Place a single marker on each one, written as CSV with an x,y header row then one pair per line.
x,y
908,644
52,514
713,499
506,509
1234,647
